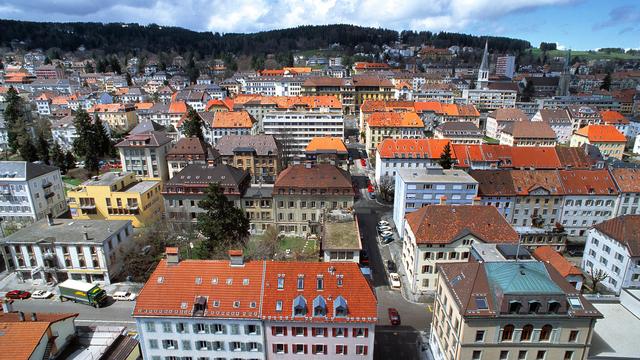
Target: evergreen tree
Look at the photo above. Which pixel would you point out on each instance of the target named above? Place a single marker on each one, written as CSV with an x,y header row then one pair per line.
x,y
88,68
114,64
528,92
87,145
69,161
606,82
129,80
14,116
102,140
192,126
445,158
101,66
57,157
223,225
42,148
27,150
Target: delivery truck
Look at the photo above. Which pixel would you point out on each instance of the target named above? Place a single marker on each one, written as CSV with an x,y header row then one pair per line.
x,y
82,292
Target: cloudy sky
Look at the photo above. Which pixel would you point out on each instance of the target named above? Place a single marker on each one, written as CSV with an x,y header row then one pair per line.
x,y
578,24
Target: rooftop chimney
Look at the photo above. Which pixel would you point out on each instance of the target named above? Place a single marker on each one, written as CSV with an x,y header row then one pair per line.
x,y
443,200
34,317
173,256
7,305
50,219
20,316
236,257
86,235
476,200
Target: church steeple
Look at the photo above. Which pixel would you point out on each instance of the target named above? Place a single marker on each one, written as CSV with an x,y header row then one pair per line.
x,y
565,78
483,72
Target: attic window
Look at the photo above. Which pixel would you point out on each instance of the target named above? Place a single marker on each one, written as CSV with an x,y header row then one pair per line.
x,y
300,282
278,305
160,279
236,304
216,303
230,281
280,282
339,280
214,281
575,303
183,305
252,304
481,303
245,282
198,280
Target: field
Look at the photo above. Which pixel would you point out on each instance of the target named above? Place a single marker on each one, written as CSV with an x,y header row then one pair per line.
x,y
589,55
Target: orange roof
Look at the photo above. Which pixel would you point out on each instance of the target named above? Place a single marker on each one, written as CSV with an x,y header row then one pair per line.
x,y
326,143
287,102
297,70
369,106
601,133
60,100
613,117
413,148
177,107
267,72
391,119
226,103
562,265
232,119
143,105
424,106
103,108
19,339
362,65
588,182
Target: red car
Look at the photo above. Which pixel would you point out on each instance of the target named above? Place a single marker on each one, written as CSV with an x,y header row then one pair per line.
x,y
394,317
18,294
363,162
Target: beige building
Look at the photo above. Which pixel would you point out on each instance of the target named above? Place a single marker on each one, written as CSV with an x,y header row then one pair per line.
x,y
259,154
257,202
528,133
120,116
509,310
390,125
304,194
606,138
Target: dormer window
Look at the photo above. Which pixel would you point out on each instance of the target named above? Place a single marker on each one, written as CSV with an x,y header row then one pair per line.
x,y
279,305
319,282
340,307
200,306
299,306
319,306
339,280
280,282
534,307
554,307
514,307
300,282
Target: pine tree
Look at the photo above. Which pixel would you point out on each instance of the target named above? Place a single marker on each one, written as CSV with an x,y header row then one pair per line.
x,y
14,118
445,158
88,68
42,148
528,92
87,145
27,150
606,82
129,80
102,140
57,157
192,126
69,161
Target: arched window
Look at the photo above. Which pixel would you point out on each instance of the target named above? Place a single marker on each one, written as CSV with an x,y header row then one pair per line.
x,y
534,307
527,330
507,333
514,307
554,307
545,333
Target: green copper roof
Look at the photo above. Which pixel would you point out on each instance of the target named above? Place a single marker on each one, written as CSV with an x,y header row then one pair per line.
x,y
520,278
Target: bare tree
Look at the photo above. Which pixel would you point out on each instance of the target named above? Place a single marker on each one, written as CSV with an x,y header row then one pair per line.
x,y
386,188
266,246
596,277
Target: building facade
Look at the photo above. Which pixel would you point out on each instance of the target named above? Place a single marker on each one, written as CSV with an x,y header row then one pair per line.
x,y
145,154
258,154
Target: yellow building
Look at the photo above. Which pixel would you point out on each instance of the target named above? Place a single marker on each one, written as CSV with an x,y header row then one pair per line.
x,y
117,196
606,138
122,116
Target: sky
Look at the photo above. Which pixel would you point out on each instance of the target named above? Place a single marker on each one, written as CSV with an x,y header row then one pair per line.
x,y
576,24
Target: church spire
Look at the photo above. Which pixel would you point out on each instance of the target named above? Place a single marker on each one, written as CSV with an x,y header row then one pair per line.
x,y
483,72
485,57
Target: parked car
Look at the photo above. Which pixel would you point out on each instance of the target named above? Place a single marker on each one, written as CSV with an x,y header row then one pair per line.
x,y
391,266
363,162
41,294
123,296
386,234
383,223
394,317
382,229
394,279
364,257
18,294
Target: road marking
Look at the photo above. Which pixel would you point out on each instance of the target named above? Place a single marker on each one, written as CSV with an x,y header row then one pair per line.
x,y
429,308
107,321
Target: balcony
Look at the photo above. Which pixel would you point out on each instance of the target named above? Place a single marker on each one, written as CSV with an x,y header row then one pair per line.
x,y
47,185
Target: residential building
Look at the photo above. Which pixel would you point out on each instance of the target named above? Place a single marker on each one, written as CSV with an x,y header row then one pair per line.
x,y
489,100
183,192
415,189
612,249
117,196
258,154
506,66
552,235
615,118
87,250
391,125
43,104
627,182
396,154
499,118
564,267
257,202
328,150
49,72
256,310
528,133
303,194
190,150
35,335
583,115
542,86
509,310
145,153
428,241
63,132
30,191
559,121
606,138
459,133
539,197
352,91
121,116
221,123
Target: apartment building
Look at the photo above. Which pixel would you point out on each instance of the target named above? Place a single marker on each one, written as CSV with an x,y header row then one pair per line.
x,y
303,194
506,66
628,184
509,310
328,150
393,155
87,250
415,189
559,121
617,120
184,190
30,191
221,123
257,202
190,150
583,115
121,116
352,91
255,310
459,133
499,118
612,249
606,138
528,133
145,154
118,196
391,125
258,154
489,100
166,114
428,241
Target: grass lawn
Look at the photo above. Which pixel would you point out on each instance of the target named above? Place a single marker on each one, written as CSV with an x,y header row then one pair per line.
x,y
489,140
72,181
589,55
295,244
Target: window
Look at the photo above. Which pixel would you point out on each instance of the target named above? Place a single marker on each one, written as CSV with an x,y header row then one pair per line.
x,y
318,332
527,330
299,349
151,326
169,344
253,346
522,355
278,330
541,355
203,345
361,350
480,336
319,349
534,307
568,355
186,345
236,346
504,355
280,283
166,327
507,333
299,331
338,332
545,333
251,329
181,328
218,328
153,344
280,348
477,355
341,349
300,282
514,307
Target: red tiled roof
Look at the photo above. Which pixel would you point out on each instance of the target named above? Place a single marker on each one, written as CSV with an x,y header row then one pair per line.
x,y
391,119
550,256
601,133
527,181
320,176
178,107
232,119
413,148
326,143
484,222
585,182
625,230
613,117
627,179
19,339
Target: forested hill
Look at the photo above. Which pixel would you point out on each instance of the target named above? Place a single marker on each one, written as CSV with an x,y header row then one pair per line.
x,y
120,37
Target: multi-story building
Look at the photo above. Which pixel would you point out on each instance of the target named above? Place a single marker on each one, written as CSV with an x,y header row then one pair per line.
x,y
606,138
145,154
258,154
528,133
397,154
583,115
190,150
43,104
63,131
328,150
559,121
166,114
303,194
257,203
121,116
569,272
30,191
221,123
539,196
617,120
59,249
341,239
509,310
117,196
392,125
627,181
612,250
49,72
352,92
499,118
255,310
429,241
506,66
488,100
459,133
416,188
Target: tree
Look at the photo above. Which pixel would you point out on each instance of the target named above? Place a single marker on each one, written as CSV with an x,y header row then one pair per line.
x,y
445,158
606,82
129,80
192,126
596,277
27,150
528,92
114,64
88,67
57,157
42,148
102,140
91,142
386,188
14,116
69,161
266,246
545,46
222,225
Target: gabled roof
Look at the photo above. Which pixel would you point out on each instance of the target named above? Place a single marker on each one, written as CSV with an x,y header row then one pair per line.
x,y
613,118
23,170
146,126
326,144
529,129
231,119
177,107
625,230
196,174
151,139
508,114
19,339
392,119
494,182
320,176
573,157
601,133
191,146
548,255
587,182
483,222
527,181
264,145
627,179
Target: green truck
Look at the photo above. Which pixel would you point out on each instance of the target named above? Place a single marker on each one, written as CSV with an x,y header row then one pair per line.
x,y
82,292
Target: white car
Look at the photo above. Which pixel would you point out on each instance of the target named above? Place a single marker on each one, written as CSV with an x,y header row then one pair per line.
x,y
383,223
123,296
384,229
41,294
394,279
386,234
